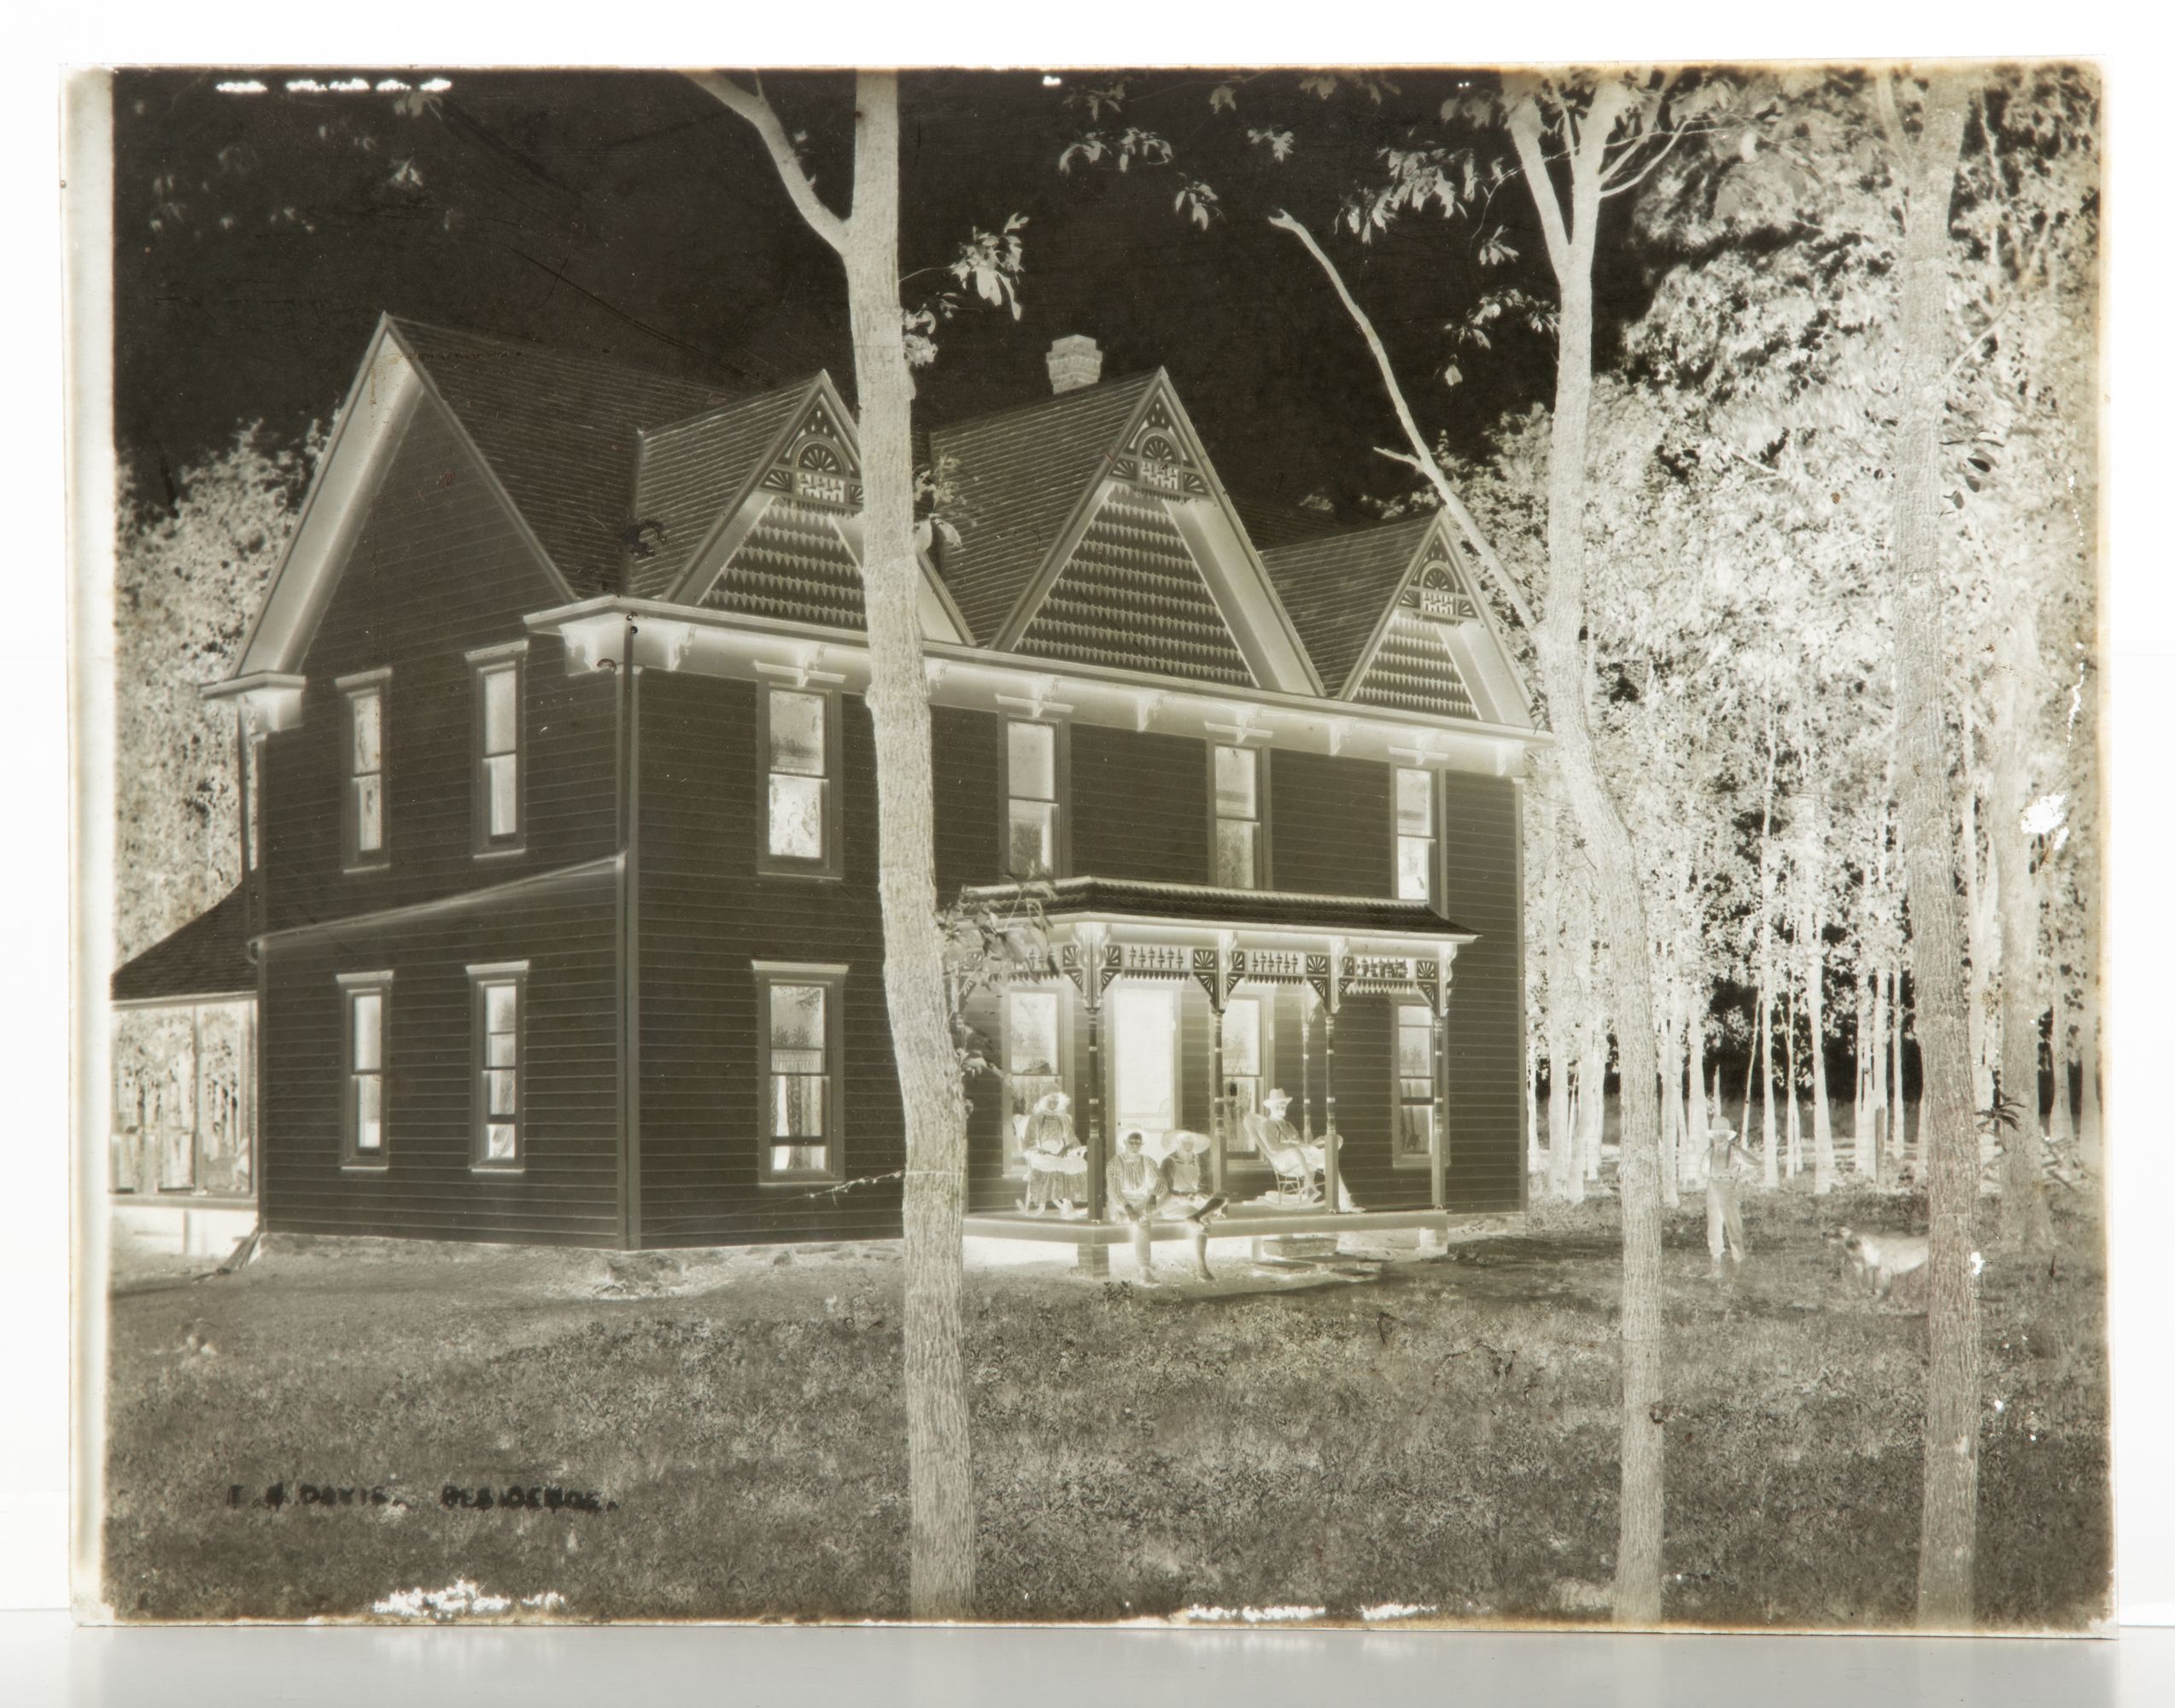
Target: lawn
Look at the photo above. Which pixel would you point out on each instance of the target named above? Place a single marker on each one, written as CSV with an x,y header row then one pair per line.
x,y
720,1435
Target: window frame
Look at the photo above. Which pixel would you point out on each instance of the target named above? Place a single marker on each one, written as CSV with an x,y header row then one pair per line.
x,y
1263,999
830,864
831,977
1263,879
1398,837
353,1156
1015,1159
365,684
482,978
484,662
1434,1104
1060,773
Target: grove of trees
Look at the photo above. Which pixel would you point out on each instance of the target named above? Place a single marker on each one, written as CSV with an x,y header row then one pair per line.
x,y
1802,554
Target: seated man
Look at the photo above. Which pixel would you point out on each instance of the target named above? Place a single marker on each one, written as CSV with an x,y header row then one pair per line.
x,y
1056,1165
1294,1159
1137,1187
1189,1191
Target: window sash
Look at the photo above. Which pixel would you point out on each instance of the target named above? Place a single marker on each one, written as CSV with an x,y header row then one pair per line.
x,y
1415,836
1412,1137
1032,763
498,752
799,741
363,1113
499,1116
1237,803
366,782
800,1118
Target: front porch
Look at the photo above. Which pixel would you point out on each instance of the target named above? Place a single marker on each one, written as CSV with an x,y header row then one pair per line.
x,y
1169,1009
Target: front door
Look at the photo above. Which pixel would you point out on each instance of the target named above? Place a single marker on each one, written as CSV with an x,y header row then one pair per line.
x,y
1144,1036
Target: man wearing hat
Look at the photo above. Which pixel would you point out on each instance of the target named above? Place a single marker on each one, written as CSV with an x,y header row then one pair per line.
x,y
1727,1168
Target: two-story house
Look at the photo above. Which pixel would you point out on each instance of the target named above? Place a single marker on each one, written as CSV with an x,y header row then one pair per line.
x,y
561,877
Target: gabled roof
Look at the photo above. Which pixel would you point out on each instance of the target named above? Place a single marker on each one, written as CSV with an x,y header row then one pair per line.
x,y
1338,587
690,472
1017,479
559,432
209,957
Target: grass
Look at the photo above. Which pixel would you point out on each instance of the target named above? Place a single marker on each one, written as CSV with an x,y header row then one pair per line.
x,y
1441,1437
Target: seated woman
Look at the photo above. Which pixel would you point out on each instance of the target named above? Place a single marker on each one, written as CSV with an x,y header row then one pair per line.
x,y
1189,1191
1057,1163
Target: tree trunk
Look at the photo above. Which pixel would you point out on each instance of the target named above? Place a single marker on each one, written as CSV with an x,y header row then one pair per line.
x,y
940,1487
1768,1174
1672,1062
1949,1511
2062,1129
1898,1117
1793,1129
1861,1076
1692,1168
1566,678
1592,1089
1816,975
2091,1147
1981,911
1883,1118
2025,1219
1561,1173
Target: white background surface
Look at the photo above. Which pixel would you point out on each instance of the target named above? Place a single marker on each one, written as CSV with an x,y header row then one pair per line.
x,y
33,782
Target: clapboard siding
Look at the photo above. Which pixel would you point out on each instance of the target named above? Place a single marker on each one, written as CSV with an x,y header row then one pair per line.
x,y
1366,1071
1140,806
1486,1041
1330,832
705,915
437,569
967,748
566,1193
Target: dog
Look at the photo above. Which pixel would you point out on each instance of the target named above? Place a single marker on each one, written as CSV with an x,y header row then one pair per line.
x,y
1881,1259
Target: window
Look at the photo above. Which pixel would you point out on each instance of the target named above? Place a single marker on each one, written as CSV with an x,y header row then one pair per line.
x,y
364,996
1414,1142
1415,836
1246,1034
1031,781
499,1134
363,811
800,833
498,753
1030,1065
1238,818
800,1135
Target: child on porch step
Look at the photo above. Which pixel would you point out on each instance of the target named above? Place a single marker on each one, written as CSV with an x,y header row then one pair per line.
x,y
1137,1187
1190,1191
1056,1165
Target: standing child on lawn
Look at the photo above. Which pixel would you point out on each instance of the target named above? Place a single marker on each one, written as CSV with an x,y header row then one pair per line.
x,y
1726,1172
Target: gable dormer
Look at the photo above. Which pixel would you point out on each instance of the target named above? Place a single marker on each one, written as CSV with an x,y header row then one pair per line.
x,y
816,463
1094,531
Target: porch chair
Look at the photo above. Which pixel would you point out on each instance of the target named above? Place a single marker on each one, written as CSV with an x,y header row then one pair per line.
x,y
1294,1176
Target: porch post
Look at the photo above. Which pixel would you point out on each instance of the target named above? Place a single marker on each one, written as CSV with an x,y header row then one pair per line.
x,y
1306,1064
1218,1107
1438,1159
1097,1141
1330,1197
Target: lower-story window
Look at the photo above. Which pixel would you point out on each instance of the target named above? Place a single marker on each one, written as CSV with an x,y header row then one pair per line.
x,y
1246,1045
499,1140
798,1038
365,1000
1031,1071
1414,1143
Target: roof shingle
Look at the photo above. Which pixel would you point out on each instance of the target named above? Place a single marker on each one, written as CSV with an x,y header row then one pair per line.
x,y
1016,479
209,957
1337,588
688,471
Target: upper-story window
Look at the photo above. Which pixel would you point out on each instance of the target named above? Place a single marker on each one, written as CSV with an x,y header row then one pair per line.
x,y
1032,833
498,752
363,810
800,743
1415,820
1238,818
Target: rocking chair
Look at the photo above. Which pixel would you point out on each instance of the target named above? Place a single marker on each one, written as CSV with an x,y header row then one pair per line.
x,y
1294,1175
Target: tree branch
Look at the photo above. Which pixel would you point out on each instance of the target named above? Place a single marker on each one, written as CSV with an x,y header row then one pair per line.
x,y
752,106
1523,123
1422,458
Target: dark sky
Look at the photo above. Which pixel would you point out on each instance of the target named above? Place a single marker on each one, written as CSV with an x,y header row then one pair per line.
x,y
628,214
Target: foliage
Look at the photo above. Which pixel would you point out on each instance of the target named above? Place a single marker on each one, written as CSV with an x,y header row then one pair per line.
x,y
189,576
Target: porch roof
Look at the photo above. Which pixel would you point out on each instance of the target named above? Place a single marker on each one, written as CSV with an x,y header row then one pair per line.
x,y
1206,904
209,957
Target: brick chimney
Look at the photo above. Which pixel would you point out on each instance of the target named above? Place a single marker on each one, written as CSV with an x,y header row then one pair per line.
x,y
1073,362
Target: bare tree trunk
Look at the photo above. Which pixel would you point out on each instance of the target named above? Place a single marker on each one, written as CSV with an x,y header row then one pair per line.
x,y
1672,1062
1793,1129
1949,1511
1899,1115
1883,1122
1693,1168
1766,960
1981,913
1592,1090
1815,934
939,1484
1566,678
2025,1219
1561,1173
2061,1130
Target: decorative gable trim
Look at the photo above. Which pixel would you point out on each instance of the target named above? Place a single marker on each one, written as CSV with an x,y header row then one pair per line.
x,y
1160,455
1437,607
815,461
